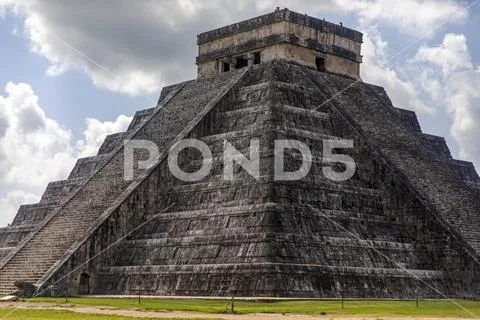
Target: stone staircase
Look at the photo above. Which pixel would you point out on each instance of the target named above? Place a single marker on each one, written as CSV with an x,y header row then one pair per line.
x,y
441,186
30,216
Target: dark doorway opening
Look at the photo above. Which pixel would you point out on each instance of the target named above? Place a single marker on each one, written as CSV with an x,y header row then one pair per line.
x,y
320,62
226,67
84,285
256,58
241,63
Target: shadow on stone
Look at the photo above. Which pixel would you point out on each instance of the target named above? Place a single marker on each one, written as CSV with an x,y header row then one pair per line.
x,y
25,289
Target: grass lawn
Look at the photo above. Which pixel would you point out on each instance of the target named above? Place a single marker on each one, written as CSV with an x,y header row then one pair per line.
x,y
428,308
22,314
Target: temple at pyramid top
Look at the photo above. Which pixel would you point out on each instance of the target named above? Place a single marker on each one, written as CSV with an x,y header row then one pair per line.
x,y
282,34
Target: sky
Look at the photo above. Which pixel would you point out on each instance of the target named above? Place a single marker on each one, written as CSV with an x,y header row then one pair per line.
x,y
72,72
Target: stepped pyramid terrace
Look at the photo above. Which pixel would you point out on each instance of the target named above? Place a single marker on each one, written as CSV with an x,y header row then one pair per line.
x,y
406,224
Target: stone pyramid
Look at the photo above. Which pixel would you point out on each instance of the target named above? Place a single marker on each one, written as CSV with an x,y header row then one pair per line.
x,y
405,225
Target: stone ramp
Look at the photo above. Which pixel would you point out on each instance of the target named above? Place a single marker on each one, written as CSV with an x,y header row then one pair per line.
x,y
51,243
437,184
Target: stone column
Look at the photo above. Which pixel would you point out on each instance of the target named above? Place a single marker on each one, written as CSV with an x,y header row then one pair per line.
x,y
233,63
250,58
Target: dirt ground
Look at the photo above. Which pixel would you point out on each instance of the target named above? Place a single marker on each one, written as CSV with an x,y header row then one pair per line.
x,y
182,314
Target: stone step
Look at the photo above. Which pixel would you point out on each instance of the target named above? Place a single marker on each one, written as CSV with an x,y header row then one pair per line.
x,y
112,141
243,223
27,271
279,108
7,288
315,174
57,191
42,261
255,131
32,214
328,195
221,183
358,271
226,211
266,133
140,117
277,91
85,166
283,115
220,204
25,266
232,236
13,229
246,208
213,232
26,278
28,275
274,84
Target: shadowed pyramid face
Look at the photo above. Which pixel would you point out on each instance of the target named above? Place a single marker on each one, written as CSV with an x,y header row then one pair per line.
x,y
282,34
145,154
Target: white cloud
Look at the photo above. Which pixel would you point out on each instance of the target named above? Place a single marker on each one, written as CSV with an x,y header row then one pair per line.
x,y
142,45
96,132
4,4
452,55
430,84
375,69
418,17
464,107
455,89
35,149
10,204
124,51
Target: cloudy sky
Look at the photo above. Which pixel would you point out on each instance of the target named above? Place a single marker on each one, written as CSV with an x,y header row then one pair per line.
x,y
73,71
